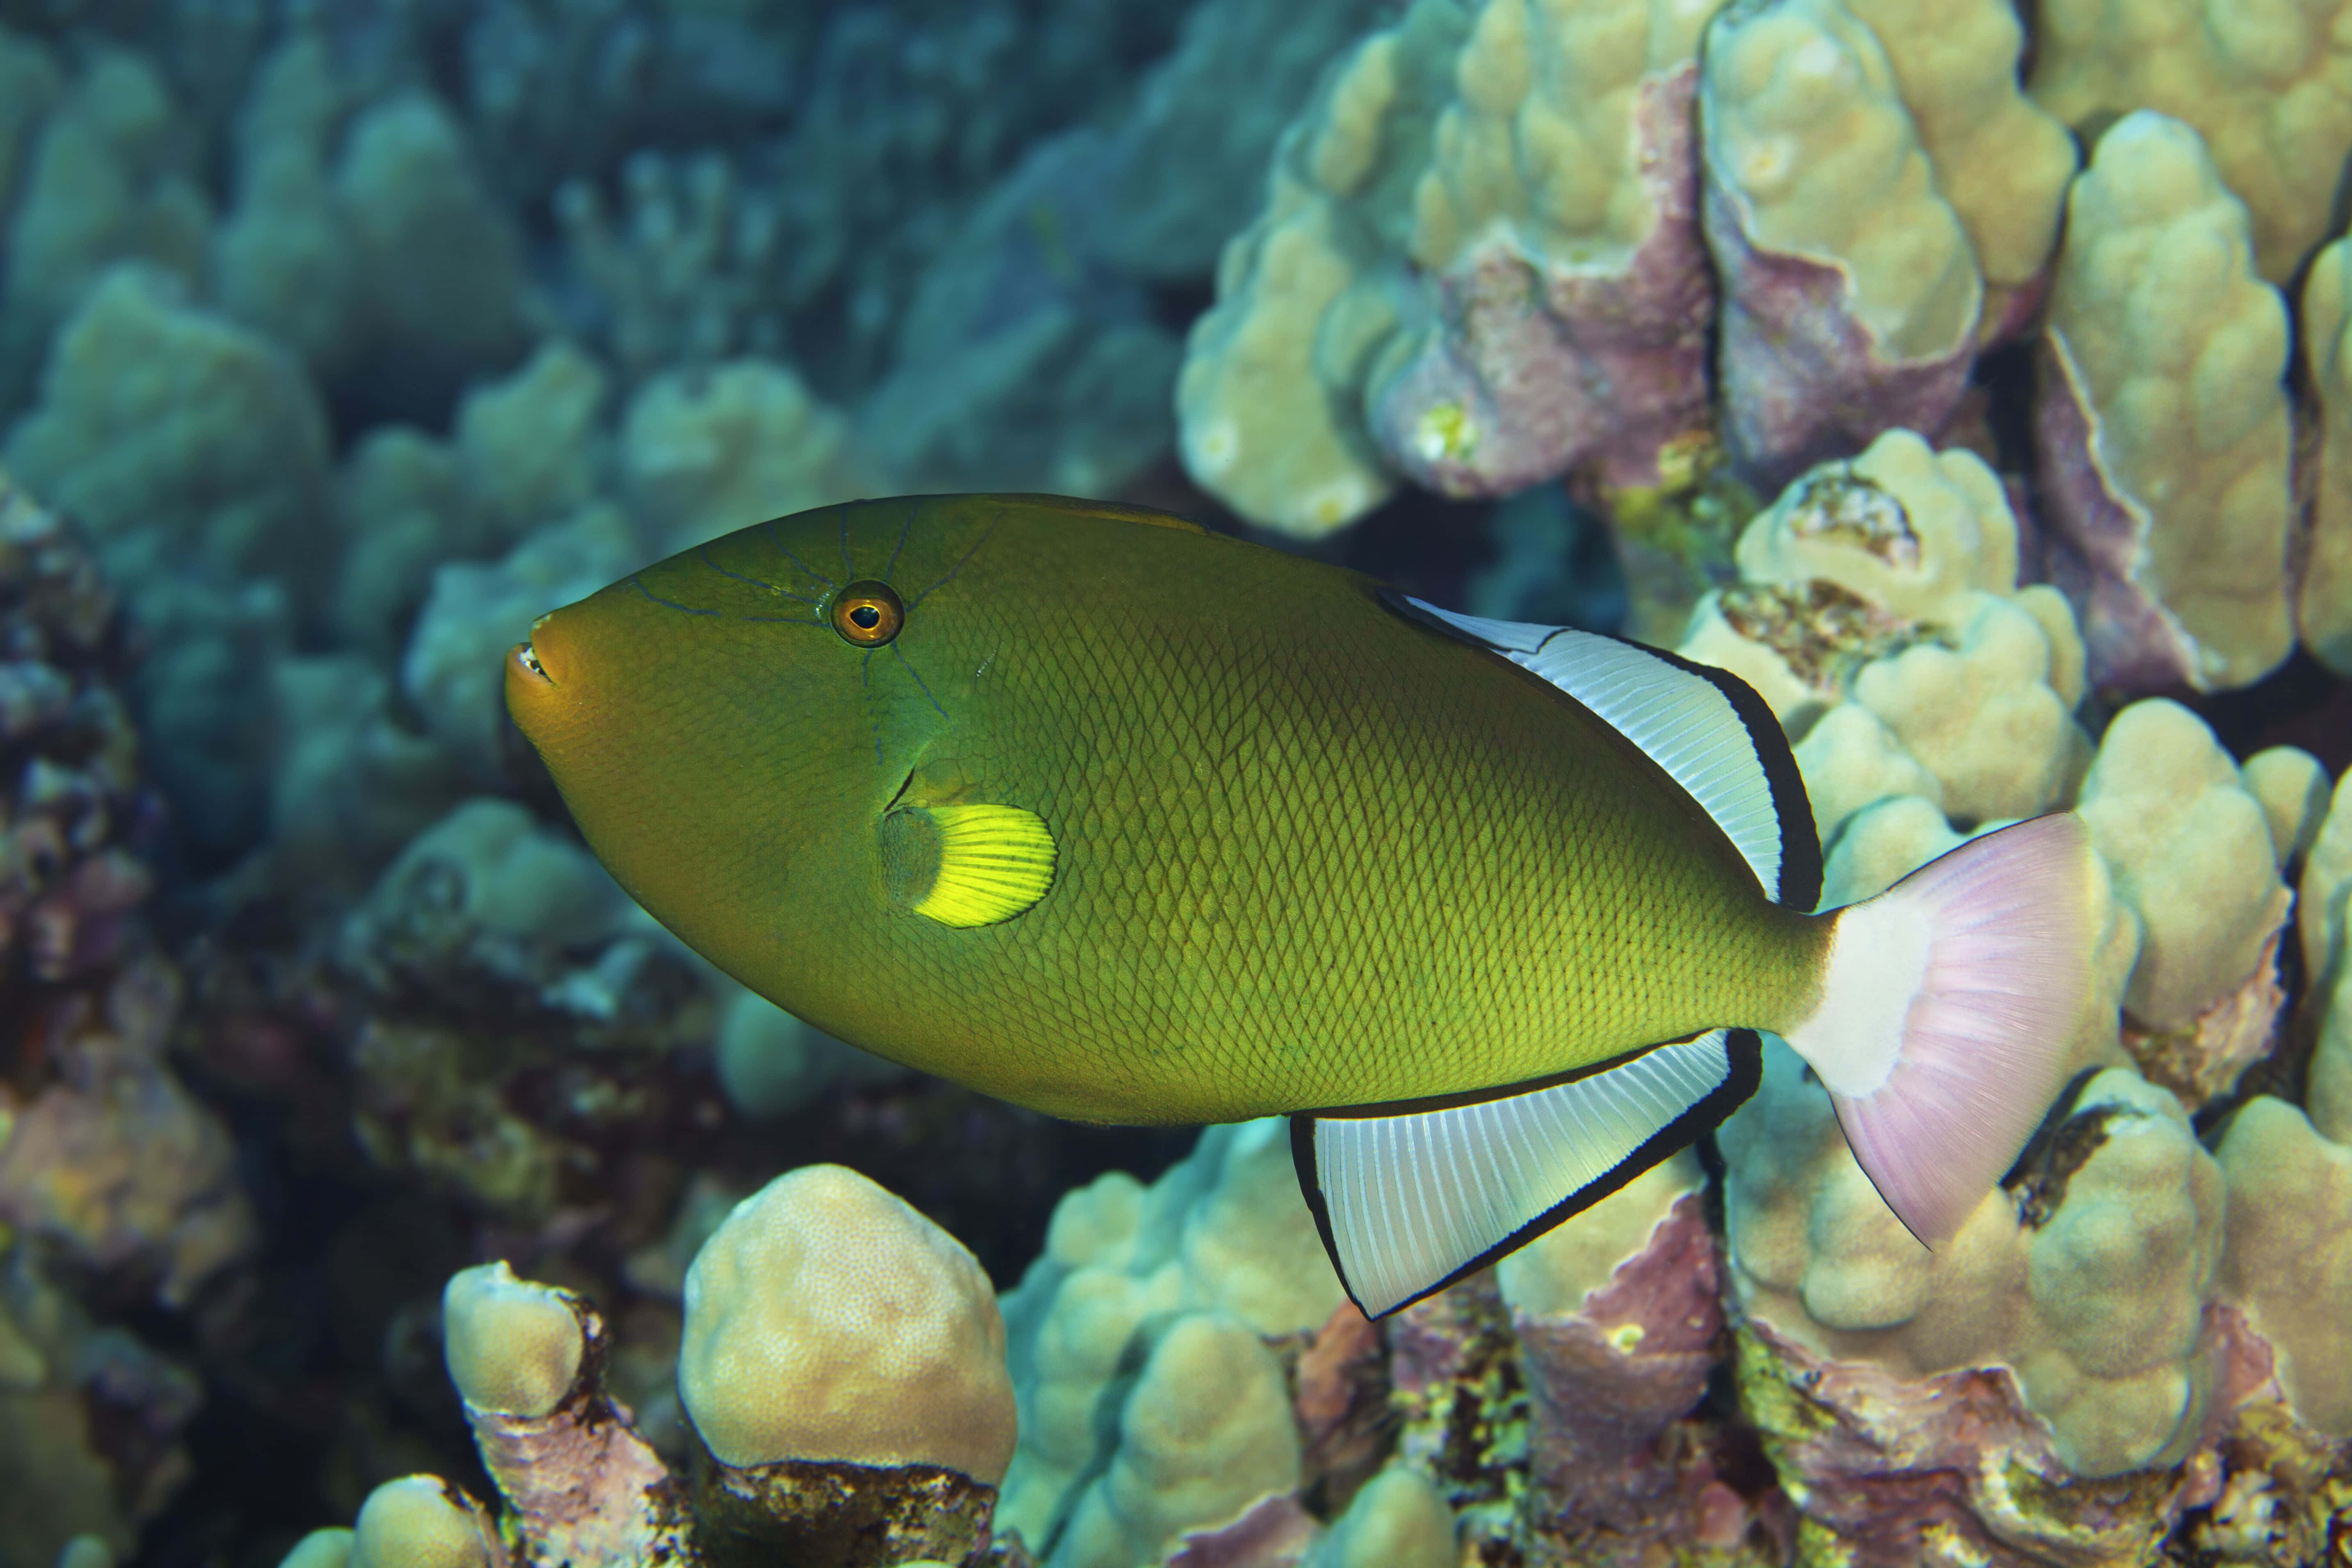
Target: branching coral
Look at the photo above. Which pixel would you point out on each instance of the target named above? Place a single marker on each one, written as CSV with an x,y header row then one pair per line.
x,y
707,451
103,176
364,236
696,267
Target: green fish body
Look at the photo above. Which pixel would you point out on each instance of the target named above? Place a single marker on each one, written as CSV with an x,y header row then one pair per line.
x,y
1106,815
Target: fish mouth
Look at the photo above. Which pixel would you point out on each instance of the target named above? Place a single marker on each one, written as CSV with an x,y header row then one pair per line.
x,y
535,697
526,660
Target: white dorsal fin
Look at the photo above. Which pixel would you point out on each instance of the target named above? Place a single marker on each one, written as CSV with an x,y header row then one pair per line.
x,y
1706,727
1408,1203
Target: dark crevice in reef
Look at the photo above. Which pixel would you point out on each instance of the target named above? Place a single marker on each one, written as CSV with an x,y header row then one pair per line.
x,y
2067,1150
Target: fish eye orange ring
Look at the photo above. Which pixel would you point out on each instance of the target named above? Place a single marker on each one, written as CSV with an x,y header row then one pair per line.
x,y
867,613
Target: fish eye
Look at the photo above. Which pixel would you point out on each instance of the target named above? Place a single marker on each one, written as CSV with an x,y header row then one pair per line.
x,y
867,613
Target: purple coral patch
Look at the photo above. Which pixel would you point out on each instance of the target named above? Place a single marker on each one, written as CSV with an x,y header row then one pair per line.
x,y
2095,543
1537,368
1613,1468
1802,379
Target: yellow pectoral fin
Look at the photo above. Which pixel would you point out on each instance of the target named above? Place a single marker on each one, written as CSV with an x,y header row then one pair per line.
x,y
967,866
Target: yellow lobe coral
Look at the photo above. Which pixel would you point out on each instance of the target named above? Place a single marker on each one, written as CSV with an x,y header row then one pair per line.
x,y
2167,451
422,1522
2268,83
2000,160
511,1345
2190,850
1910,529
1807,130
2289,1263
1268,401
827,1319
1203,1434
2324,599
1538,134
1477,266
2094,1301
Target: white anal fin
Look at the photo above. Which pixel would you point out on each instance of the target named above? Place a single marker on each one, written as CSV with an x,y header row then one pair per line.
x,y
1410,1202
1705,727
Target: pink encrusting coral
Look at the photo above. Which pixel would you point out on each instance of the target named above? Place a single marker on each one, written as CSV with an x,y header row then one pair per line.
x,y
580,1486
1618,1471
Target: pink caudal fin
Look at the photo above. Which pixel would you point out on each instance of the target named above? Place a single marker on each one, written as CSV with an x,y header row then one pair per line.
x,y
1948,1006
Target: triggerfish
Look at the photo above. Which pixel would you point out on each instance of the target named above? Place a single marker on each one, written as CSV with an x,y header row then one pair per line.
x,y
1096,810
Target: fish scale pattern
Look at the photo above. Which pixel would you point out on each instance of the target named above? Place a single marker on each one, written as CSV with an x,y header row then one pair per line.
x,y
1308,853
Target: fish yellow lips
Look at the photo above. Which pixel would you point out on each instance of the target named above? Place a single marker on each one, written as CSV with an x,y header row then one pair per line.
x,y
533,676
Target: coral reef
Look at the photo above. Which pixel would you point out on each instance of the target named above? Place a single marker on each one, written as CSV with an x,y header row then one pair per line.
x,y
120,1189
1478,269
1879,197
2085,1369
1139,1293
345,339
843,1368
2166,457
2323,608
2267,89
1479,259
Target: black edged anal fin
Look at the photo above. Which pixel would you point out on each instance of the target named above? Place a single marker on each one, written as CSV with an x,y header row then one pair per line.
x,y
1410,1202
1706,727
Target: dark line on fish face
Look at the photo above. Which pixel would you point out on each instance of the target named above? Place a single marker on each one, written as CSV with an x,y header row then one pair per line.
x,y
848,567
785,620
667,604
702,553
796,561
865,682
986,535
926,690
904,529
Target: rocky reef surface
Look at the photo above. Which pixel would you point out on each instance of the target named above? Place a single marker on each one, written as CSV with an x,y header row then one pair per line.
x,y
379,1185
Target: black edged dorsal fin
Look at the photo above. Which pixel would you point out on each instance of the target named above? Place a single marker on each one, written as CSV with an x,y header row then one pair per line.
x,y
1706,727
1408,1201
